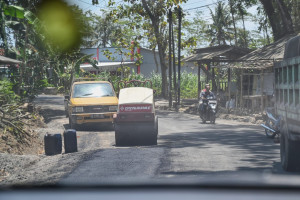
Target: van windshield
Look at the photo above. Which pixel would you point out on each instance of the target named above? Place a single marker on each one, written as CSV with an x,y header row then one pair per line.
x,y
91,90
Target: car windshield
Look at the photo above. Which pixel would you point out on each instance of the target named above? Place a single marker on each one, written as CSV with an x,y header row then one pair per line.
x,y
117,91
91,90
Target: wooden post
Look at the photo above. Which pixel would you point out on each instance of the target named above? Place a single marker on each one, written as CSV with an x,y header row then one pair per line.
x,y
174,65
229,89
179,52
241,97
248,92
262,89
229,80
208,68
212,81
199,83
170,58
219,84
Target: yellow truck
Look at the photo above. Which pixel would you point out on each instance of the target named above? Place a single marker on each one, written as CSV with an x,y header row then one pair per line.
x,y
90,101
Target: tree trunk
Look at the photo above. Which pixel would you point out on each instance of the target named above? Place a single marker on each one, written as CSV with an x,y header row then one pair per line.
x,y
275,20
270,11
155,60
3,32
233,20
244,29
286,17
161,47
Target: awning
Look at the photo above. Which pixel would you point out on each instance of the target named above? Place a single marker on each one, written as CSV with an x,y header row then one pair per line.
x,y
106,66
5,60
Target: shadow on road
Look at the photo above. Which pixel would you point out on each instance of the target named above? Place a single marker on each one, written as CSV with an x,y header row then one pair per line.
x,y
93,127
51,114
259,151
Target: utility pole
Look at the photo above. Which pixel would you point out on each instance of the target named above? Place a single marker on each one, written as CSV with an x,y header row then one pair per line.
x,y
170,58
179,47
174,65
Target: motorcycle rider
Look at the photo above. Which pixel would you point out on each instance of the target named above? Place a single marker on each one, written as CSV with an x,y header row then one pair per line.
x,y
205,93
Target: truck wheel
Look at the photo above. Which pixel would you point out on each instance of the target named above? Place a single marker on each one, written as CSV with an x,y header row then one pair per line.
x,y
70,141
288,152
52,144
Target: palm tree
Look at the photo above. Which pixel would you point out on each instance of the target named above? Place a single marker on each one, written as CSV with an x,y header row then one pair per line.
x,y
219,31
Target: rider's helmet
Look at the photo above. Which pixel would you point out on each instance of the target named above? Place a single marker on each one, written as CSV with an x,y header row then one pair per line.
x,y
207,86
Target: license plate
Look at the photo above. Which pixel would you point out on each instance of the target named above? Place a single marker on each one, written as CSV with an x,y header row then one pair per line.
x,y
97,116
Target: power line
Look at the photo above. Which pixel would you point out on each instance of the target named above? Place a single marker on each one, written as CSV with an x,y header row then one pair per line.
x,y
194,2
89,3
203,6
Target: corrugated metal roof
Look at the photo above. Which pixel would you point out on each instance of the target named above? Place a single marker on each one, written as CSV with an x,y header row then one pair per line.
x,y
264,57
105,65
6,60
217,53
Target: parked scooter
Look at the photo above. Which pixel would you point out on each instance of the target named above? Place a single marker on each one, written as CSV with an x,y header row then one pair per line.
x,y
208,113
272,125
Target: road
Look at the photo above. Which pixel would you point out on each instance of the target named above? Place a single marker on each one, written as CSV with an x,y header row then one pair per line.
x,y
185,147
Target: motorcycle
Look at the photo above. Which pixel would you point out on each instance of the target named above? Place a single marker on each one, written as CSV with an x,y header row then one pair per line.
x,y
209,109
272,125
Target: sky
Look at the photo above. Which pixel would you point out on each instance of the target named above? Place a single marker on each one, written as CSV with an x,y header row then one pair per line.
x,y
190,8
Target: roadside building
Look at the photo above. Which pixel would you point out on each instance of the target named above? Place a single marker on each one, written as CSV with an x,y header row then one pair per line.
x,y
256,86
250,74
112,58
212,61
5,65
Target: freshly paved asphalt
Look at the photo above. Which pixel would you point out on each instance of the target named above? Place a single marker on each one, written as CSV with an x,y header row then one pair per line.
x,y
186,147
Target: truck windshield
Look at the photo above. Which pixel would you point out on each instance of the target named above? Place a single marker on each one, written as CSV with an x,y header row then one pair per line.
x,y
89,90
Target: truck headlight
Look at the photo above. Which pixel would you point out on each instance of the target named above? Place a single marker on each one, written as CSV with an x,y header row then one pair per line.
x,y
113,108
78,109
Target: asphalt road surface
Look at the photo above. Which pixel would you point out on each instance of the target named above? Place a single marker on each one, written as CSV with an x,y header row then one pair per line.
x,y
185,147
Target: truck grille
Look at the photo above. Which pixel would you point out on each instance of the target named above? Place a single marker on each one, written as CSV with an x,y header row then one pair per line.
x,y
96,109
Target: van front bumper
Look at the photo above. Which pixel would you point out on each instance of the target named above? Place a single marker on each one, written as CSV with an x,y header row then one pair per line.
x,y
83,118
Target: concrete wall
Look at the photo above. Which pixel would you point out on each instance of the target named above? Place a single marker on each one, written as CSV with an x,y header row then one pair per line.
x,y
148,66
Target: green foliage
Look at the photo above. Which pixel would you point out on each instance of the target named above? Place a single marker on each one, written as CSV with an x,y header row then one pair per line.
x,y
7,95
188,85
189,82
219,30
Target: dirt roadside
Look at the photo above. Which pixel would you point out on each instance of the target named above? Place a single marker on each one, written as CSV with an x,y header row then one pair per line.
x,y
35,168
190,106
